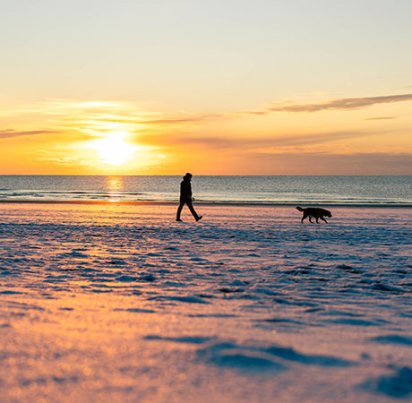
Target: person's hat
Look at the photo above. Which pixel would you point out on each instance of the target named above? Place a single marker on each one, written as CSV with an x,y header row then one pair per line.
x,y
187,175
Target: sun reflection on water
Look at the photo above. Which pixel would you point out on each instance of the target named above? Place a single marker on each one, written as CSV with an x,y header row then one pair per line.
x,y
114,187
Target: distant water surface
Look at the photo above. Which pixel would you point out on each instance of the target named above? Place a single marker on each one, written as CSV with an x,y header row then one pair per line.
x,y
306,190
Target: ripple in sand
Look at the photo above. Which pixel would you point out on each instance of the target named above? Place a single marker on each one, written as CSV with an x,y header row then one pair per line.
x,y
134,310
357,322
393,339
191,299
249,357
184,339
291,354
10,292
397,385
126,279
229,355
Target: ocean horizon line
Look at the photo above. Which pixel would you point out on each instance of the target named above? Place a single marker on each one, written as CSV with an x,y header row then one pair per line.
x,y
209,175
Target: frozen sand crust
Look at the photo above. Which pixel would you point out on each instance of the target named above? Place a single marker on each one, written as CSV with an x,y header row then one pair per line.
x,y
122,303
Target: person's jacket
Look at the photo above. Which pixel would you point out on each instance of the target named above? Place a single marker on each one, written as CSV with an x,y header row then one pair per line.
x,y
185,191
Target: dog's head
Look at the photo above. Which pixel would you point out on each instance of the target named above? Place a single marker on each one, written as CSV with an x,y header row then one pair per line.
x,y
328,213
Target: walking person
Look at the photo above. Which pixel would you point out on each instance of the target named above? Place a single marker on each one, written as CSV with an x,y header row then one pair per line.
x,y
186,197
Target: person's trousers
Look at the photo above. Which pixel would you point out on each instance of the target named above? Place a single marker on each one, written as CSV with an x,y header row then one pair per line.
x,y
190,205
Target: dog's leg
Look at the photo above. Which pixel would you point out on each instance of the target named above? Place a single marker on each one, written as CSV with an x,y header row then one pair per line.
x,y
302,219
324,219
310,219
317,220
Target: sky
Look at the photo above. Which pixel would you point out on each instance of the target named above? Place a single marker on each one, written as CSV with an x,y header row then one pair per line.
x,y
274,87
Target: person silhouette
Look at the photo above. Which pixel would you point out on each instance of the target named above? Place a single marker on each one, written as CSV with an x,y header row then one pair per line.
x,y
186,197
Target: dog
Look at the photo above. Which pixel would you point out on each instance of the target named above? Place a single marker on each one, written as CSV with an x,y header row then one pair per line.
x,y
314,212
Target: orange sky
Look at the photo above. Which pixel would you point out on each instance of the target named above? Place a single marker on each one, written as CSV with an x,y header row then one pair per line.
x,y
167,87
72,137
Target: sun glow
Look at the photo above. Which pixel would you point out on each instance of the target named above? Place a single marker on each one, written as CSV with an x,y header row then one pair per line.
x,y
114,149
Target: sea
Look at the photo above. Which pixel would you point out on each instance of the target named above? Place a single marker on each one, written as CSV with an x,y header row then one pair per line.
x,y
384,191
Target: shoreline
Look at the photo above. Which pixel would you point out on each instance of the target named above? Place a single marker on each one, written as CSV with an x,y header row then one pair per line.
x,y
204,203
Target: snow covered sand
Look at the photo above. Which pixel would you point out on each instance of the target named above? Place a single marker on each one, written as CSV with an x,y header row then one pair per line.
x,y
121,303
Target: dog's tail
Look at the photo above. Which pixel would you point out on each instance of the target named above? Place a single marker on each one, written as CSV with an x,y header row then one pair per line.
x,y
299,208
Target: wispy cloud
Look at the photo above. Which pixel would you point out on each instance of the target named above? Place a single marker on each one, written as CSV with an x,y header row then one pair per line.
x,y
85,120
175,121
335,104
107,117
318,163
95,118
242,143
381,118
320,138
5,134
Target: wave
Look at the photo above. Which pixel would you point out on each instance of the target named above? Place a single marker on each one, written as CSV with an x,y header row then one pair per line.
x,y
305,191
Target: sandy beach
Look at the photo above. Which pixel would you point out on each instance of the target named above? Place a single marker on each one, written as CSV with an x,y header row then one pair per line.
x,y
119,303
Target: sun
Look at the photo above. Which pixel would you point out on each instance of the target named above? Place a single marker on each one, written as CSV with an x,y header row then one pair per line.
x,y
114,149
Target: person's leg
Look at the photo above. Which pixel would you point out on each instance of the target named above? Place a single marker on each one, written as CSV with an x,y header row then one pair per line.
x,y
179,211
192,210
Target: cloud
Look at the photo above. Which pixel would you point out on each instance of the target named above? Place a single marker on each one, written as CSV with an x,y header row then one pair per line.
x,y
315,163
381,118
319,138
336,104
5,134
174,121
239,143
134,121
